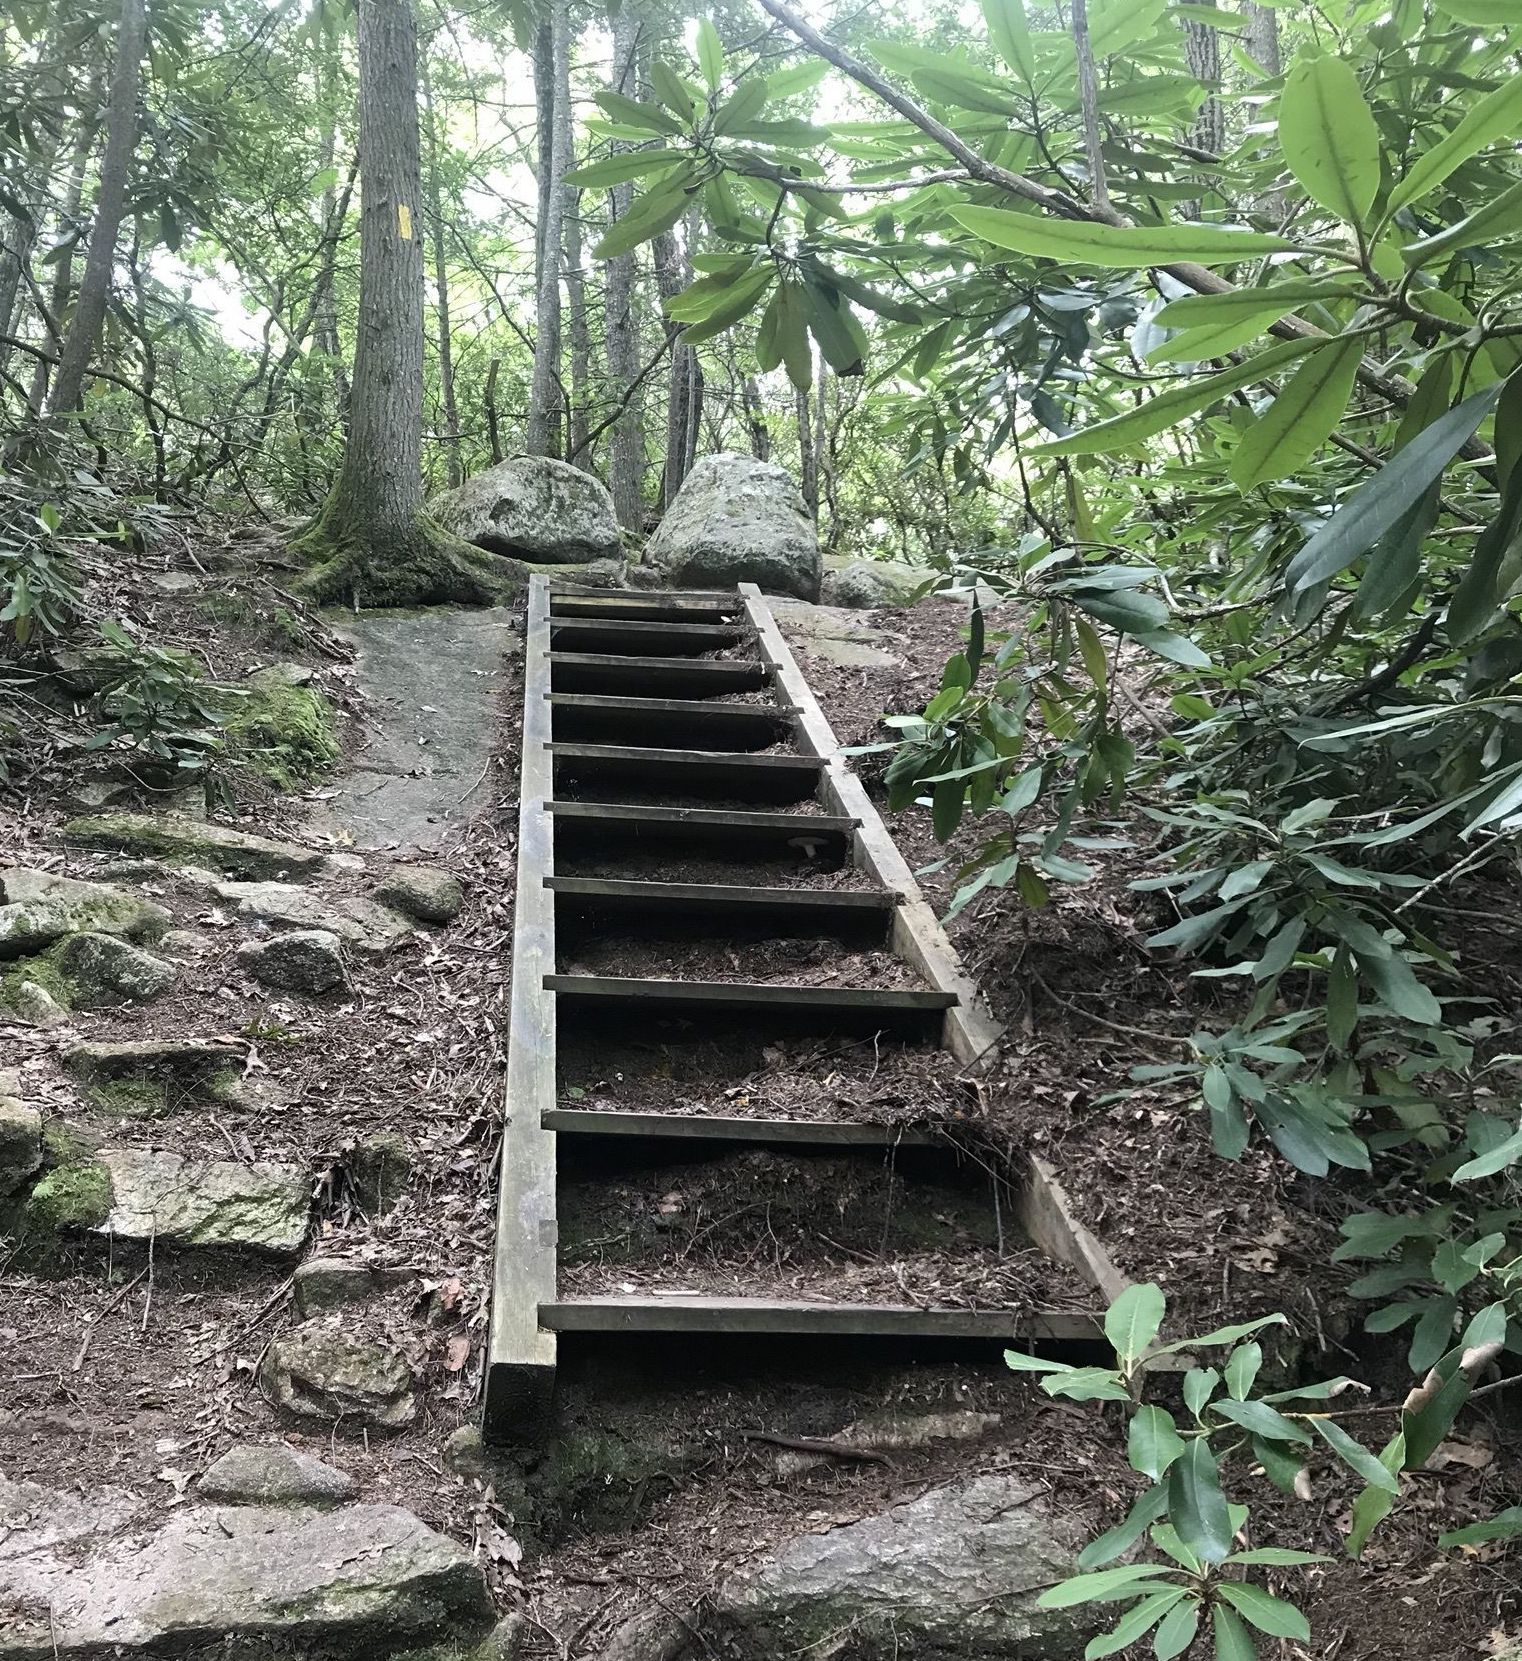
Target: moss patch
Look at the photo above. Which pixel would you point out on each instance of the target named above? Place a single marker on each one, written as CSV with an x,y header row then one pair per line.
x,y
130,1098
225,1086
591,1482
76,1196
41,971
277,626
420,564
284,732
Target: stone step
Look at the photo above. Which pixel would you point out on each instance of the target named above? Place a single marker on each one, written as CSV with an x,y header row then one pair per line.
x,y
182,841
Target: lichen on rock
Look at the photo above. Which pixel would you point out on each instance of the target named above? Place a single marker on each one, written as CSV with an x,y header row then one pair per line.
x,y
285,733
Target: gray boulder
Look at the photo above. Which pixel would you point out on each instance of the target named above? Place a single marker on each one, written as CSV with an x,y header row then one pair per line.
x,y
103,971
34,1004
325,1283
190,842
861,583
426,892
39,907
20,1143
533,508
319,1371
738,520
304,960
361,1580
275,1475
363,924
955,1572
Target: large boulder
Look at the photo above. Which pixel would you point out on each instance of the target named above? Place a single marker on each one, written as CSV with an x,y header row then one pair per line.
x,y
863,583
955,1572
261,1580
738,520
39,907
103,971
533,508
362,924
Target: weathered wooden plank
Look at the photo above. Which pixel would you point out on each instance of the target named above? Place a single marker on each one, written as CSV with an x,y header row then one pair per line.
x,y
754,778
738,994
690,1313
971,1031
648,636
687,723
859,918
659,607
731,1127
631,674
521,1353
735,895
787,827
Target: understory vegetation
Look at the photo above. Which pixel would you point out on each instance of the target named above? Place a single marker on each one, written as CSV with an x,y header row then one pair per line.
x,y
1190,336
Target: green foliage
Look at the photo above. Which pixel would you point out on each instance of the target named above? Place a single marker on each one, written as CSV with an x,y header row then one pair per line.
x,y
39,586
285,733
157,704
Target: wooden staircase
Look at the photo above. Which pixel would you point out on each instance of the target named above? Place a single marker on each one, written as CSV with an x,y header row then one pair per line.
x,y
629,745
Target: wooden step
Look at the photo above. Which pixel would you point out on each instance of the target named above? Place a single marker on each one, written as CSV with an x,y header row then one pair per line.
x,y
598,827
648,636
749,778
691,1313
732,1127
858,915
632,606
634,675
689,723
846,1008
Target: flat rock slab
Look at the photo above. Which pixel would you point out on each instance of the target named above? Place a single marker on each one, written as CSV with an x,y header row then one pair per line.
x,y
432,678
275,1474
955,1572
263,1207
235,853
363,924
835,633
366,1579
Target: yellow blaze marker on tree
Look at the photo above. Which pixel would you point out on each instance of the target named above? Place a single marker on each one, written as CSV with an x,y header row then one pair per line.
x,y
404,221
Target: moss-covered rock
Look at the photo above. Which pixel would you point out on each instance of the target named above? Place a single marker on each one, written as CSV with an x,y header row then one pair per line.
x,y
71,1198
426,892
38,908
20,1143
101,971
285,733
261,624
379,1169
40,972
171,836
135,1098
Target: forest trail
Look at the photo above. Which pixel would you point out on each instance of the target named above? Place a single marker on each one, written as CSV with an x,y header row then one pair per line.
x,y
431,680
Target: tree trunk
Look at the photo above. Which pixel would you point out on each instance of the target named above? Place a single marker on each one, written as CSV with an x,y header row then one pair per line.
x,y
755,420
372,541
1088,98
1202,47
1263,37
626,463
552,51
571,258
808,475
451,436
684,394
110,206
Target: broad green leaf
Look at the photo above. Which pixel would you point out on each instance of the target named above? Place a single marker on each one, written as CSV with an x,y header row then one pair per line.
x,y
1262,1420
1119,248
1133,1320
632,113
1233,1642
1177,1631
1505,1525
616,170
947,79
656,211
742,106
793,337
1498,115
1134,1624
1379,502
834,327
1196,1505
1280,1557
1117,1541
803,77
672,90
1214,324
1487,1164
1152,1441
1010,35
1167,408
1328,135
1103,1587
1477,596
1225,1334
1300,419
1355,1455
710,55
1496,220
1019,1362
1266,1612
1374,1504
1484,14
740,302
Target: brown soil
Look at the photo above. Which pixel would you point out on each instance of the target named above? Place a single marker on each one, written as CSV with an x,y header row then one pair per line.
x,y
630,863
820,962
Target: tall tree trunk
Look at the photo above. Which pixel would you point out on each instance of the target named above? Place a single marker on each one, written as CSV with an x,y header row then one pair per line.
x,y
755,420
69,215
626,461
1088,98
552,51
1263,37
571,258
451,411
372,541
325,322
1202,47
685,384
83,333
808,474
